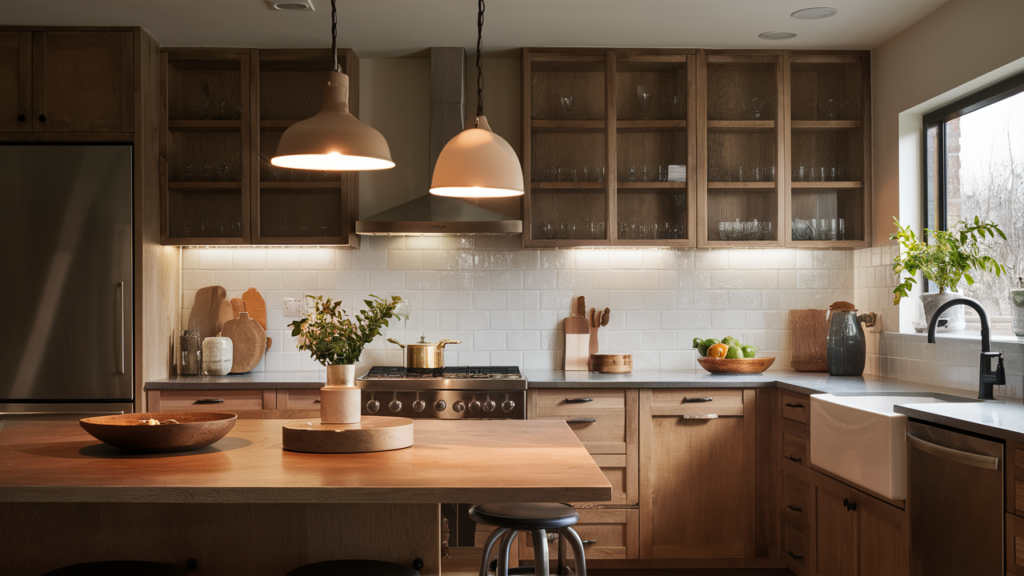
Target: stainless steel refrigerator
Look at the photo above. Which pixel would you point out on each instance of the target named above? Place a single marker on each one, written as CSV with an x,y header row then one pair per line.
x,y
66,239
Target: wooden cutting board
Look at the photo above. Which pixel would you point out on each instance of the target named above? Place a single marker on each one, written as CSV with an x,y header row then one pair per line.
x,y
210,311
248,340
257,309
577,338
809,332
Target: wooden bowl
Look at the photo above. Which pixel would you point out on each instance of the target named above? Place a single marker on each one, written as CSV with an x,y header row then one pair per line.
x,y
736,365
194,430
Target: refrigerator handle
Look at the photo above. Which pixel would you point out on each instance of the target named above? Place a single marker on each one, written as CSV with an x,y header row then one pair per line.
x,y
121,289
958,456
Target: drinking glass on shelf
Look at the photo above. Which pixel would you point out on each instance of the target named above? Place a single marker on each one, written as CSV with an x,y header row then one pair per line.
x,y
645,94
834,108
833,173
206,171
599,228
841,173
222,169
600,174
586,174
189,171
756,174
632,173
567,104
739,174
574,175
799,174
547,231
645,173
815,174
755,107
769,174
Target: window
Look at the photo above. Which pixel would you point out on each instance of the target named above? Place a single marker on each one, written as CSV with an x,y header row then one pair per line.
x,y
974,166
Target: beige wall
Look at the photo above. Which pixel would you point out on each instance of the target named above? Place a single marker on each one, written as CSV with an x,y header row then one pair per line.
x,y
394,98
961,47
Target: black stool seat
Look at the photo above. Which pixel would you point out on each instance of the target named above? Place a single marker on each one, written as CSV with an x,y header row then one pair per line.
x,y
526,516
118,568
353,568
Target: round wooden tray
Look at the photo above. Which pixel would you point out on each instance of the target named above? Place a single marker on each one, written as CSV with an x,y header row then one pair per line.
x,y
736,365
371,434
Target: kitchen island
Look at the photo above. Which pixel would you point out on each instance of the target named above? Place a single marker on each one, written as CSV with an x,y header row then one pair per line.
x,y
246,506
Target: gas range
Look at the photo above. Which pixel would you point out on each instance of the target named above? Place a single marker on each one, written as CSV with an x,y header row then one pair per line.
x,y
452,393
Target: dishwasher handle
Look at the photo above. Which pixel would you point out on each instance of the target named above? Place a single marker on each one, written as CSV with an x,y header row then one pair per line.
x,y
958,456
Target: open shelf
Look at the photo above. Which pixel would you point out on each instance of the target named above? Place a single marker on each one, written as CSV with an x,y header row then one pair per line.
x,y
740,126
203,125
662,185
741,185
825,184
568,185
567,125
189,185
807,125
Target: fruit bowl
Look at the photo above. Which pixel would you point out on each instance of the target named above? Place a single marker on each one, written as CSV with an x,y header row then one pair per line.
x,y
736,365
177,431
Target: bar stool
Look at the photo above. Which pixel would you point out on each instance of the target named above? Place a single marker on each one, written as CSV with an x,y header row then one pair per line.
x,y
118,568
538,518
354,568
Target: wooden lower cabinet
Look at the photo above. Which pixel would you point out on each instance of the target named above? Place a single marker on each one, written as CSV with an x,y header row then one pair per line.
x,y
697,475
264,404
857,534
610,538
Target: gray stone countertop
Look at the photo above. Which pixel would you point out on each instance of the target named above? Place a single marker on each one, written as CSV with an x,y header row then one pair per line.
x,y
247,381
1000,419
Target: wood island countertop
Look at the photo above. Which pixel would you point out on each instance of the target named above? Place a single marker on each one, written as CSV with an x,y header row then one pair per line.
x,y
451,461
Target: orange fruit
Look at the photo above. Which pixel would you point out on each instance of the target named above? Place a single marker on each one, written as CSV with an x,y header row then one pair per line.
x,y
718,351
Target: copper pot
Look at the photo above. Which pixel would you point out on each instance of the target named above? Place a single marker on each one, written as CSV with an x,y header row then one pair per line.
x,y
424,355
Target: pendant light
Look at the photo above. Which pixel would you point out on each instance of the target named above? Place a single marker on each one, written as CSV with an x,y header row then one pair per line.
x,y
477,163
334,139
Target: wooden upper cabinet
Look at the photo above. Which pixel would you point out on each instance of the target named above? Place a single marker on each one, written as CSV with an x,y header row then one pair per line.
x,y
15,81
830,149
697,475
605,147
742,148
82,81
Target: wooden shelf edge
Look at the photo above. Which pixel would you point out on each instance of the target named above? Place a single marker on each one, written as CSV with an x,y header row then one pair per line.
x,y
798,125
567,125
190,185
329,185
741,125
204,125
813,184
568,185
650,125
665,185
742,185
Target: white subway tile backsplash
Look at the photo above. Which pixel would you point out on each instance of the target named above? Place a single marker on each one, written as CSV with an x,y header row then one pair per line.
x,y
507,304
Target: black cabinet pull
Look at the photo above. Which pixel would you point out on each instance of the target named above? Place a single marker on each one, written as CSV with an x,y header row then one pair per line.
x,y
21,118
42,117
795,557
850,506
586,542
794,405
317,401
794,459
794,508
191,564
578,400
209,401
695,400
581,421
417,564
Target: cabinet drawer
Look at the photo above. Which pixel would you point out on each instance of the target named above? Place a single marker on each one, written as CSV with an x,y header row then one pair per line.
x,y
598,417
298,399
608,534
795,406
1014,544
1015,478
796,499
211,400
620,475
795,442
795,550
683,402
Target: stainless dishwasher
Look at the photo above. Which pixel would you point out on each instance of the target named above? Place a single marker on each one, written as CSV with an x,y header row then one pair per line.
x,y
955,503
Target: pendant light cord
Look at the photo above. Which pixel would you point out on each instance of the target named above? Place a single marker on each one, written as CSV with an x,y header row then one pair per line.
x,y
479,62
334,34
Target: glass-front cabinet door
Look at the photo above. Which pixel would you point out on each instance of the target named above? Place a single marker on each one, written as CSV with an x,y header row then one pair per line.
x,y
654,148
829,141
741,103
565,156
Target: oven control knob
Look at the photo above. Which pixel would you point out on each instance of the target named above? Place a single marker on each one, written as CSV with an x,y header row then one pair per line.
x,y
474,406
489,405
395,405
419,405
372,406
459,406
507,406
440,405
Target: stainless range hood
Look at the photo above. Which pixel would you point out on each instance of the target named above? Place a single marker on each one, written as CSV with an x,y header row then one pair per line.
x,y
429,214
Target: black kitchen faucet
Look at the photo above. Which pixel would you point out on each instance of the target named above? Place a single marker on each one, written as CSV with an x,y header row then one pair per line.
x,y
987,378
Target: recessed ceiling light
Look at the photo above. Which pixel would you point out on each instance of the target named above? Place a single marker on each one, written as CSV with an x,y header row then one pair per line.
x,y
776,35
293,5
815,13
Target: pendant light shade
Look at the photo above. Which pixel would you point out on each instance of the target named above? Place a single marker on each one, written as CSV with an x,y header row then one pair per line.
x,y
477,163
334,139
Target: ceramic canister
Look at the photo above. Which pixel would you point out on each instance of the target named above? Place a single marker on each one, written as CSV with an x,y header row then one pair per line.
x,y
218,354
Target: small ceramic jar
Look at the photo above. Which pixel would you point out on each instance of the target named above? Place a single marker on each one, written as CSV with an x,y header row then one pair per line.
x,y
218,354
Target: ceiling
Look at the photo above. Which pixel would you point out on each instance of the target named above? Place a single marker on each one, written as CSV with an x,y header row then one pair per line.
x,y
390,28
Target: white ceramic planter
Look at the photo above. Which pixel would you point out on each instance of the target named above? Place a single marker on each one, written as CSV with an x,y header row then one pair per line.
x,y
954,316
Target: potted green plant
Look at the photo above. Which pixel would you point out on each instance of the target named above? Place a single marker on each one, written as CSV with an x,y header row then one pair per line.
x,y
336,340
947,260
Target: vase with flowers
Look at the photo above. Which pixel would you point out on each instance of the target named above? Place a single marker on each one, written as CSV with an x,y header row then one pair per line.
x,y
336,339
